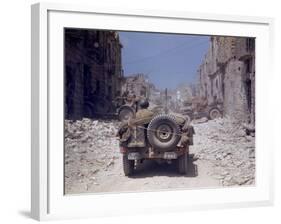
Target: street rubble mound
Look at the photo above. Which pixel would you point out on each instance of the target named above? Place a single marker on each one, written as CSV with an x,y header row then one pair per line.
x,y
225,144
90,147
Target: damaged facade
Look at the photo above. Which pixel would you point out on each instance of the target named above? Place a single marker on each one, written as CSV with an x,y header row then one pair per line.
x,y
136,84
93,72
185,93
227,75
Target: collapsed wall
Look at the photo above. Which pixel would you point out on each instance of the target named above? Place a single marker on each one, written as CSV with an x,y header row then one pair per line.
x,y
136,84
234,94
227,75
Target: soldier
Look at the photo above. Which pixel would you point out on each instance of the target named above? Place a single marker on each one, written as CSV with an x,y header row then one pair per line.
x,y
143,116
143,111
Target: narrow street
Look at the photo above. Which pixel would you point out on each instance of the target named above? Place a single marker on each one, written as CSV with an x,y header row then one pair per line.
x,y
222,155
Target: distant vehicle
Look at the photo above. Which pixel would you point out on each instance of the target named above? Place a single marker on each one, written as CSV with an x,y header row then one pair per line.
x,y
199,108
125,107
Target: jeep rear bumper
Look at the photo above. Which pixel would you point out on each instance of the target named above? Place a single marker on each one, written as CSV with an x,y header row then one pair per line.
x,y
137,154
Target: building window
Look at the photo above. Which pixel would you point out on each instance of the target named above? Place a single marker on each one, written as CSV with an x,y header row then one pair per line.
x,y
250,44
70,90
87,80
98,36
108,51
97,87
248,86
109,92
248,66
212,92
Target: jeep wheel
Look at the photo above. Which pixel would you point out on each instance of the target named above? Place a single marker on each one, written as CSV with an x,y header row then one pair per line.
x,y
128,165
214,113
125,113
183,164
163,132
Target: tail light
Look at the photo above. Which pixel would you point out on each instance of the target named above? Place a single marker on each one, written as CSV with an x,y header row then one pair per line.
x,y
123,149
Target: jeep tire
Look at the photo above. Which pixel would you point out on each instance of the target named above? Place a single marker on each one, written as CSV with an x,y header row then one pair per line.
x,y
125,113
163,132
128,165
183,163
214,113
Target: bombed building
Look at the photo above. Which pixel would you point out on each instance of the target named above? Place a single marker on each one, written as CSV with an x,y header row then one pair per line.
x,y
139,85
93,72
227,75
136,84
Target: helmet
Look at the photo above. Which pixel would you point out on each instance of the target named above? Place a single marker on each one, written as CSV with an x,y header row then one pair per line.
x,y
143,103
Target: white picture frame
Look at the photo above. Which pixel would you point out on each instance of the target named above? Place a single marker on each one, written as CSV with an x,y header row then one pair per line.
x,y
48,201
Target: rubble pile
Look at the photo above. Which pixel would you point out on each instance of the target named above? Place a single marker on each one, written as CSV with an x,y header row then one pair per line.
x,y
225,155
226,145
90,147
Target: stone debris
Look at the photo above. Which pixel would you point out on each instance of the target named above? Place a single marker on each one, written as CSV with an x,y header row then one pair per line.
x,y
111,162
200,120
90,147
225,144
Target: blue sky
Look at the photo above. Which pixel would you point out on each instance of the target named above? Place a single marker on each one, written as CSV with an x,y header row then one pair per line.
x,y
168,59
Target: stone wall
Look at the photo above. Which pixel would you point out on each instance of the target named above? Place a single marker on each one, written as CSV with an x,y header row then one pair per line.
x,y
227,75
93,72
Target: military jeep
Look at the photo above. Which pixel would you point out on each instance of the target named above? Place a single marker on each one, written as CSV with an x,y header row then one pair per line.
x,y
161,137
127,107
198,109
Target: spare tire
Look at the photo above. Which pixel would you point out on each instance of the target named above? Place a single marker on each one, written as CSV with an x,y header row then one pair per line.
x,y
125,113
163,132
